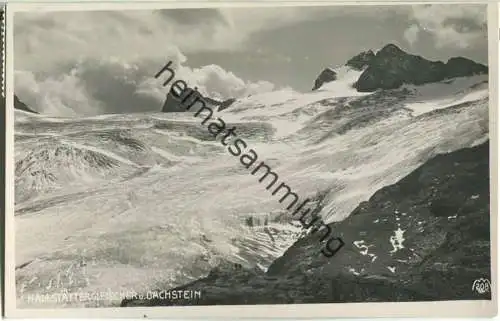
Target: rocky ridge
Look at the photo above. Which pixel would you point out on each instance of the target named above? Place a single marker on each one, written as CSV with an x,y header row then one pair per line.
x,y
391,67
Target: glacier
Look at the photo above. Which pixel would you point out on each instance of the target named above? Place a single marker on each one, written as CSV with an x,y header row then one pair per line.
x,y
130,202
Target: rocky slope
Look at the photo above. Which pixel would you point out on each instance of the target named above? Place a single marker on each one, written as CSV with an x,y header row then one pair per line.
x,y
427,237
391,67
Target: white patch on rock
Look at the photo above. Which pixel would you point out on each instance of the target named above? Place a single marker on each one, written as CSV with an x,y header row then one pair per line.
x,y
262,267
397,240
362,246
353,271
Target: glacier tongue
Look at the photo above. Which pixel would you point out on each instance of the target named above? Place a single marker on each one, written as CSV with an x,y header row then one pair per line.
x,y
134,202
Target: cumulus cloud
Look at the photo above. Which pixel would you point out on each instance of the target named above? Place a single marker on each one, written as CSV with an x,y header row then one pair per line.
x,y
44,39
411,34
450,25
64,95
214,81
95,62
113,85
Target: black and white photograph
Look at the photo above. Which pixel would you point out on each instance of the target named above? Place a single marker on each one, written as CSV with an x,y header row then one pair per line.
x,y
248,156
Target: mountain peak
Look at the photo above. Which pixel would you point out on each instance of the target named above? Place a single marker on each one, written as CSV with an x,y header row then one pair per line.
x,y
392,67
18,104
361,60
391,49
187,97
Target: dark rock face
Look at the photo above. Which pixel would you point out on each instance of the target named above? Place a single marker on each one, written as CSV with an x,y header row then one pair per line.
x,y
326,75
175,104
459,67
226,104
187,97
22,106
391,67
441,213
361,60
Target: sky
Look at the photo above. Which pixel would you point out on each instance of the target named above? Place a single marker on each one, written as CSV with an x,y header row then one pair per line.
x,y
95,62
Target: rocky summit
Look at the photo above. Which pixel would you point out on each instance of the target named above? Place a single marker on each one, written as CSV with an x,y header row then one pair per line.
x,y
426,237
361,60
391,67
174,104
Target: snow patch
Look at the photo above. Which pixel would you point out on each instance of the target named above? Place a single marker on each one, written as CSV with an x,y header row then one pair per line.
x,y
397,240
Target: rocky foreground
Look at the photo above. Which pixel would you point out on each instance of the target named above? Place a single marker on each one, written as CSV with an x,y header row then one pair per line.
x,y
427,237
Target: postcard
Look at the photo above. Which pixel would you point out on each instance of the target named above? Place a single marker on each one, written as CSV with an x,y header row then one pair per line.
x,y
239,159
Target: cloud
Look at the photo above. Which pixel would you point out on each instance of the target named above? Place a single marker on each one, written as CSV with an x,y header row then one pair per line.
x,y
214,81
205,16
411,34
93,62
44,39
62,96
87,63
459,26
112,85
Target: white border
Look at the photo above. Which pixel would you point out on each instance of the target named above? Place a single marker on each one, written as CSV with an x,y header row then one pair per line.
x,y
392,309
